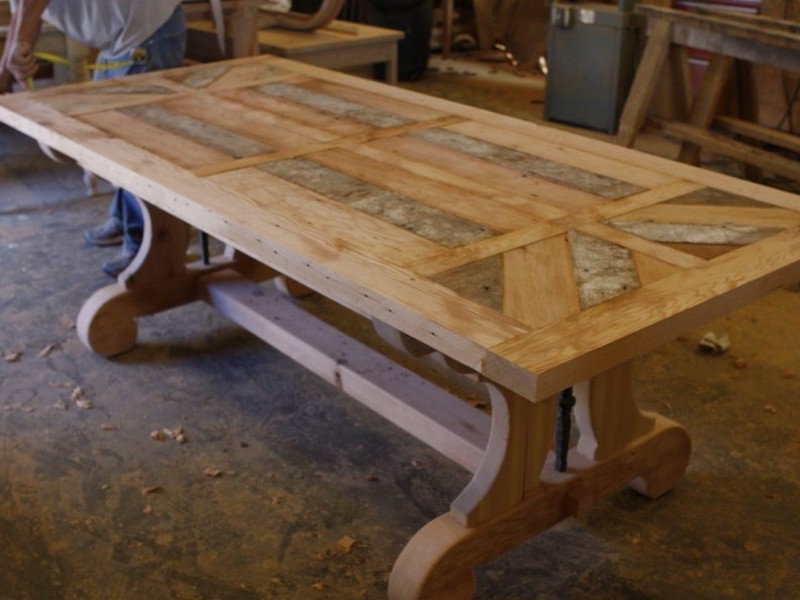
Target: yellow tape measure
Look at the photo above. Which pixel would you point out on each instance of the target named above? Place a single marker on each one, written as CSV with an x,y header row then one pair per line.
x,y
60,60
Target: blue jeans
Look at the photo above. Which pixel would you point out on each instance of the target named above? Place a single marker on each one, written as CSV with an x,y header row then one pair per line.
x,y
164,49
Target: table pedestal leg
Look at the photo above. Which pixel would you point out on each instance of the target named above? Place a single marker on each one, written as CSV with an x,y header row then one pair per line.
x,y
158,279
517,493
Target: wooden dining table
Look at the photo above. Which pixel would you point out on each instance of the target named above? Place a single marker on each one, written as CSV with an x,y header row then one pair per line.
x,y
535,261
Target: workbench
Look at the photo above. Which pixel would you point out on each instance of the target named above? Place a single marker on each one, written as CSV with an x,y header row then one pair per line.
x,y
240,17
337,45
534,261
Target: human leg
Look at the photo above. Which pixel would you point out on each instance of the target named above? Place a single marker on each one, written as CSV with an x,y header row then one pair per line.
x,y
111,232
131,222
164,49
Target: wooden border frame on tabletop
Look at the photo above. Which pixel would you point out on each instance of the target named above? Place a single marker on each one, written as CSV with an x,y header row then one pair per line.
x,y
523,356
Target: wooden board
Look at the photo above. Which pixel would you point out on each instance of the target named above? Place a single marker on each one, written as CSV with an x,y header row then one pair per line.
x,y
535,257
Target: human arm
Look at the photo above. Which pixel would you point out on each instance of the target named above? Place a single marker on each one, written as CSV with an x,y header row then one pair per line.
x,y
17,61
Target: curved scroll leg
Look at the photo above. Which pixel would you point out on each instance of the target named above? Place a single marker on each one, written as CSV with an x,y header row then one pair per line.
x,y
517,492
106,322
665,474
609,421
158,278
437,563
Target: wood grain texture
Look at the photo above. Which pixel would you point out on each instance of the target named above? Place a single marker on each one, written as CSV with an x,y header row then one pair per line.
x,y
455,226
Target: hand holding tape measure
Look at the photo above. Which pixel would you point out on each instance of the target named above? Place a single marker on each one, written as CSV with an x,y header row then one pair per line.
x,y
138,56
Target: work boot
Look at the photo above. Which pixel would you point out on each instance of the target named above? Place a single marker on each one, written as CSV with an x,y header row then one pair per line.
x,y
109,233
119,263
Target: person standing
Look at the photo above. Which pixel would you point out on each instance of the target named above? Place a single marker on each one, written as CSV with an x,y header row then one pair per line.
x,y
133,36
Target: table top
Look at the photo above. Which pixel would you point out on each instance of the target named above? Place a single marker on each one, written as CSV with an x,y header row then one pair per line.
x,y
534,256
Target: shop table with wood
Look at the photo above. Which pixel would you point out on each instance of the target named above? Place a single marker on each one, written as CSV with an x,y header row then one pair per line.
x,y
535,261
737,43
337,45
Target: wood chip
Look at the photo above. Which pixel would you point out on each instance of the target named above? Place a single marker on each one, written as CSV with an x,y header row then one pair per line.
x,y
47,349
109,427
740,363
319,586
174,433
345,545
770,408
77,393
84,404
712,343
12,355
634,539
153,489
212,472
177,434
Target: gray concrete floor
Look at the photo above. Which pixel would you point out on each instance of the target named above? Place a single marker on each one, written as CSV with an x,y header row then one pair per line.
x,y
91,507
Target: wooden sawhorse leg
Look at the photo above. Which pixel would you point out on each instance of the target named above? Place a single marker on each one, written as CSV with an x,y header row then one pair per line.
x,y
705,105
516,493
644,83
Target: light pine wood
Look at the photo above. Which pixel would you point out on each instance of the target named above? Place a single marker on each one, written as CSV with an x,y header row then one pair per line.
x,y
519,441
445,422
768,161
526,258
174,148
733,278
652,269
504,179
758,132
706,103
644,83
566,156
437,563
733,40
607,416
530,273
716,215
642,245
432,193
297,228
631,203
335,45
459,257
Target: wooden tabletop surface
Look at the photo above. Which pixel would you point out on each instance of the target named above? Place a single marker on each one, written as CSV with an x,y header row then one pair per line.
x,y
534,256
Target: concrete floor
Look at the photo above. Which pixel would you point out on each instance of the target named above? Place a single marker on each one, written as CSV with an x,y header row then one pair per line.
x,y
91,507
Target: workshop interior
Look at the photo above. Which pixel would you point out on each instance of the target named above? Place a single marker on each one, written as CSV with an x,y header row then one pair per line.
x,y
430,300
